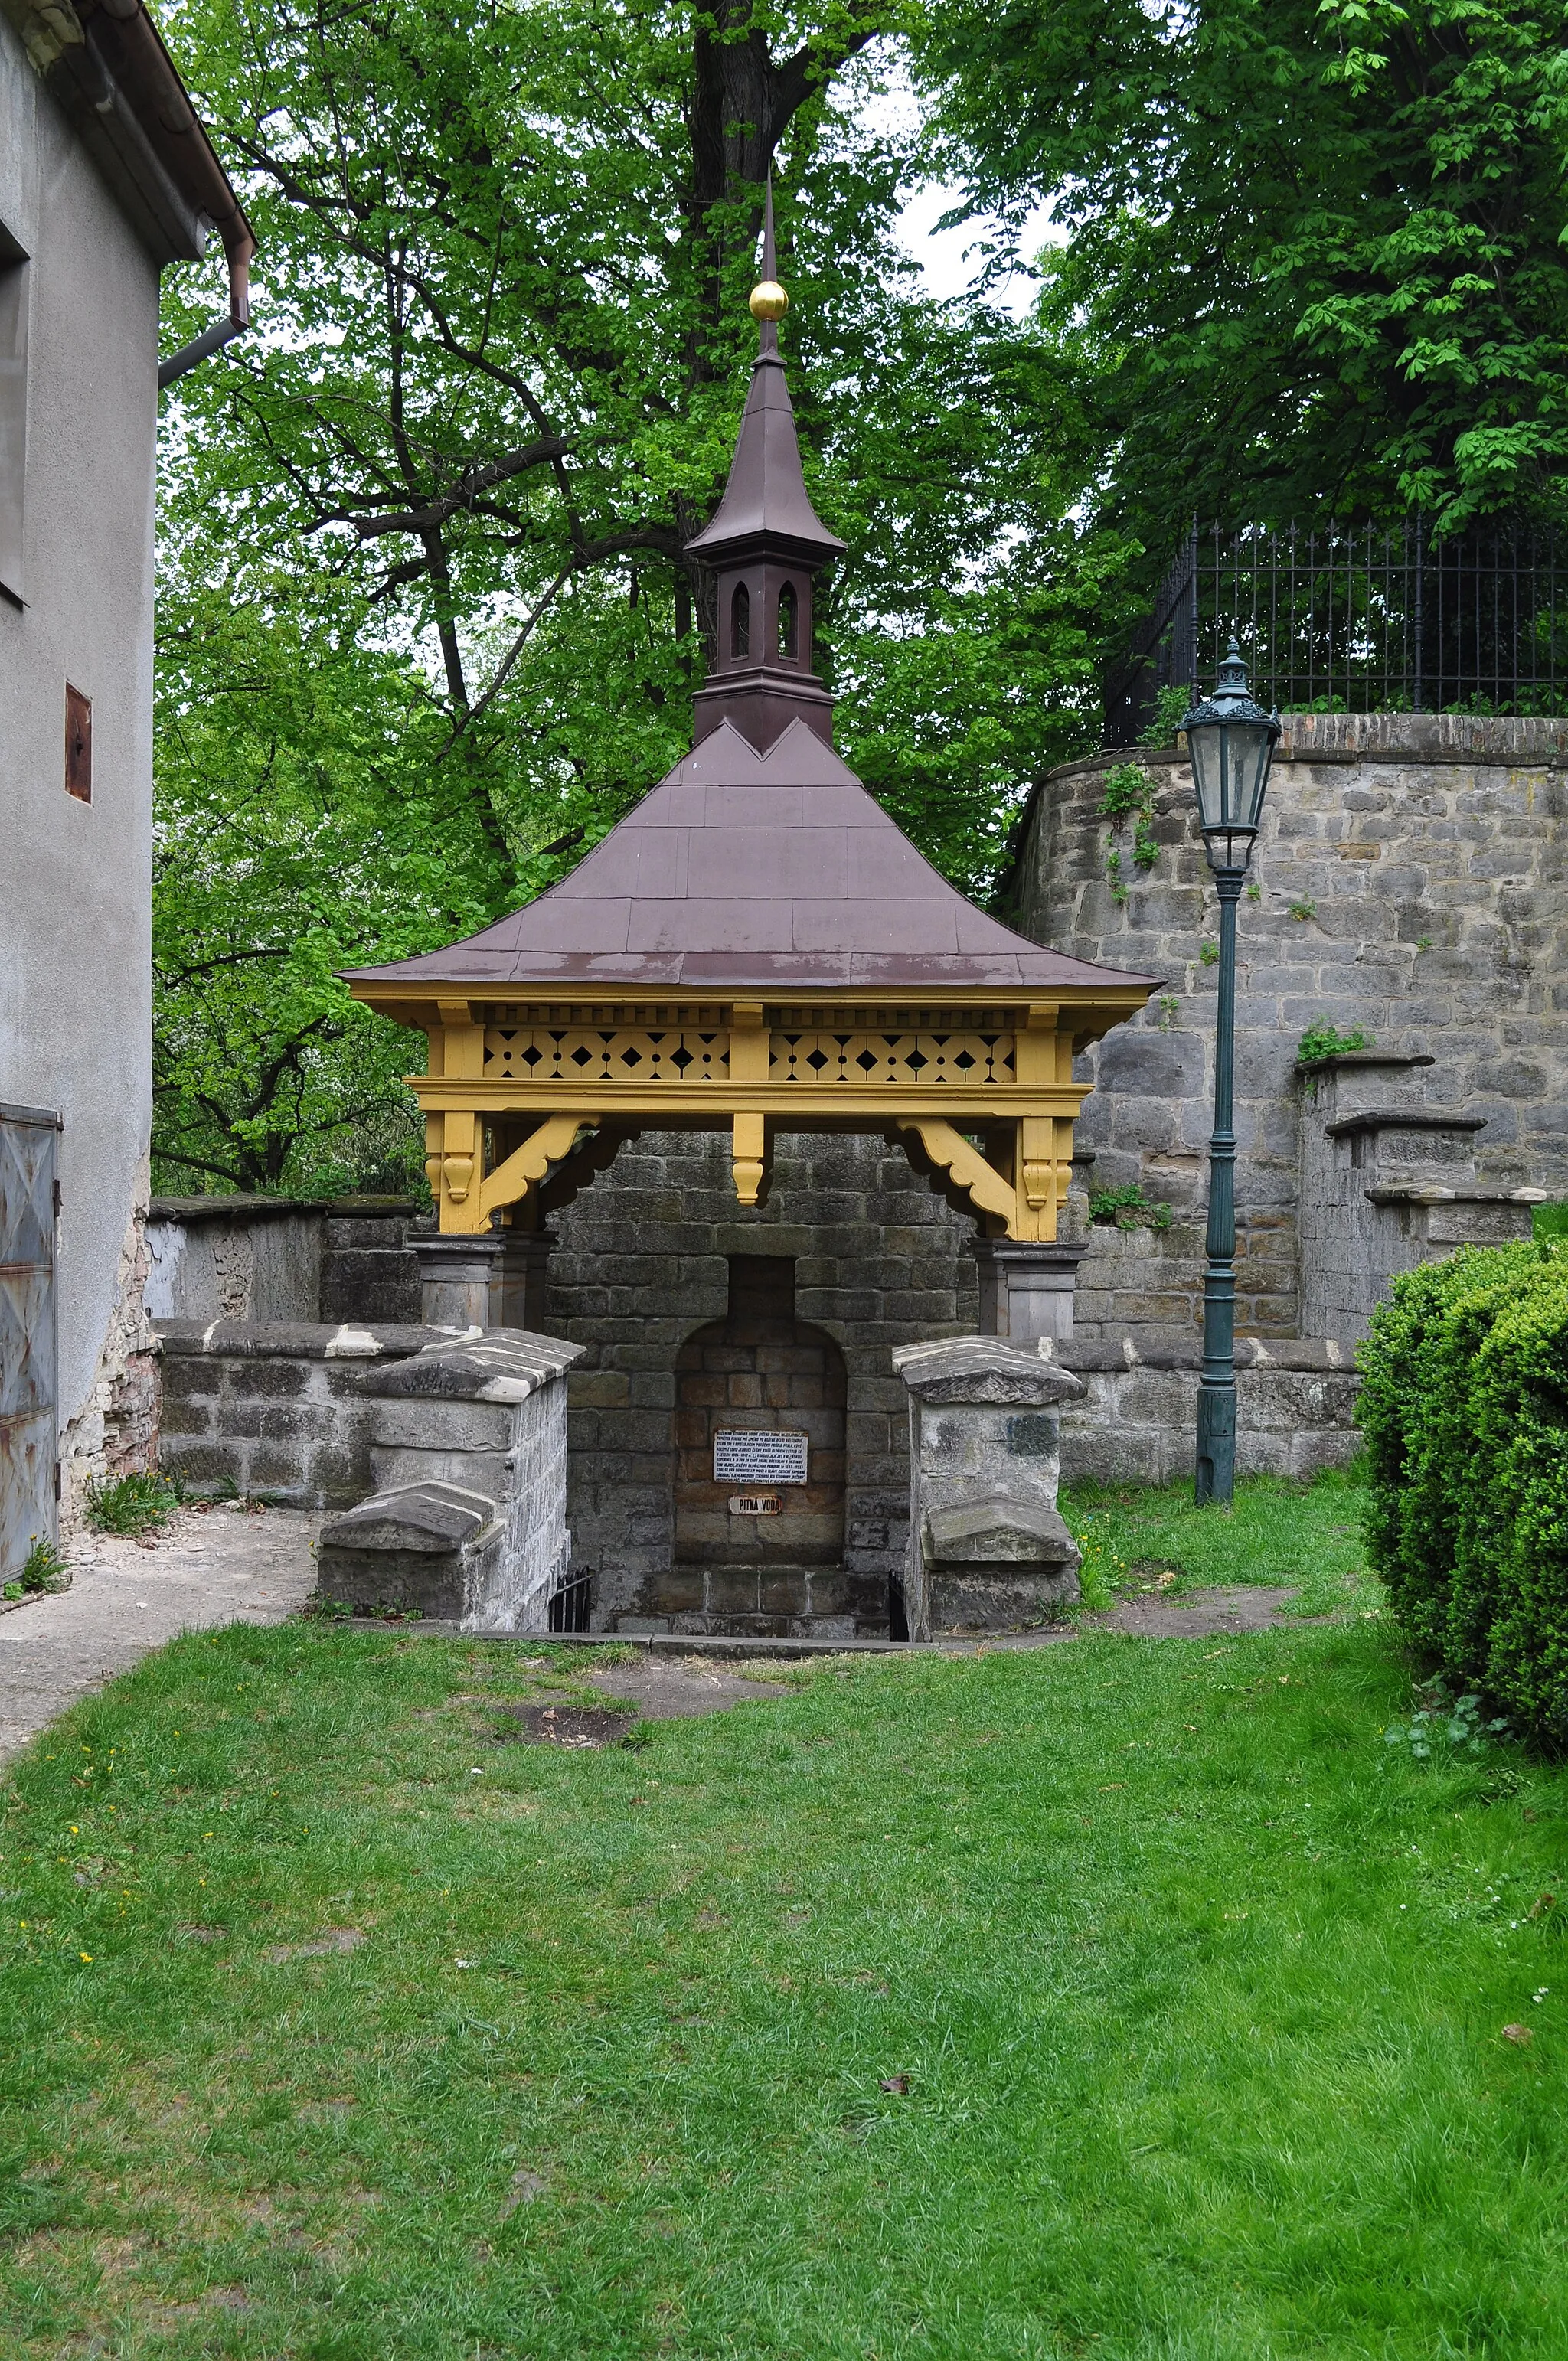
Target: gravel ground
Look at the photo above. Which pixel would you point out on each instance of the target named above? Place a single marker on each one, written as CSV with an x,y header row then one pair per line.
x,y
206,1567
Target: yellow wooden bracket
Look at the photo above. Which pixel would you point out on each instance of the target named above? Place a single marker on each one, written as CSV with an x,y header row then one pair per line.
x,y
551,1144
984,1186
554,1141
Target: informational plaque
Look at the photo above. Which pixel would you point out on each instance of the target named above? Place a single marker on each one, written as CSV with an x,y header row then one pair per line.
x,y
756,1504
759,1455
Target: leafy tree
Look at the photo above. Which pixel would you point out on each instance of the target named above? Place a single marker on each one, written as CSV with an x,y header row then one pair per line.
x,y
428,626
1314,250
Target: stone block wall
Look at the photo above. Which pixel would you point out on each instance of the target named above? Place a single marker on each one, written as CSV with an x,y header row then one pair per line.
x,y
1411,881
278,1411
271,1258
1138,1417
315,1416
642,1261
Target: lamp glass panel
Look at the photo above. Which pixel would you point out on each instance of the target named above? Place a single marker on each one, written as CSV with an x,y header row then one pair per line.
x,y
1206,751
1251,743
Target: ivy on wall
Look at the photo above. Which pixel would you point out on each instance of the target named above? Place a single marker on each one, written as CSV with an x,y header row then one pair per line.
x,y
1128,795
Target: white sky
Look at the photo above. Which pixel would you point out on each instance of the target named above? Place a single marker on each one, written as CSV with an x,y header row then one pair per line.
x,y
948,266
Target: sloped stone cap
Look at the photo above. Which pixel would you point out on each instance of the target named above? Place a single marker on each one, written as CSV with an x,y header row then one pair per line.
x,y
984,1369
499,1365
296,1340
998,1531
433,1519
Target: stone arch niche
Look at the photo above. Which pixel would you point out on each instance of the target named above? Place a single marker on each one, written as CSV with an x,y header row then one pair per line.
x,y
760,1369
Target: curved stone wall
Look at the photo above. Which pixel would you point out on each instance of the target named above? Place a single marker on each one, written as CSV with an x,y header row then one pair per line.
x,y
1411,881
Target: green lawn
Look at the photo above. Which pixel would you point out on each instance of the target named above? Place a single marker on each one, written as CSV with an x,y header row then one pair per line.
x,y
1277,1532
1190,1990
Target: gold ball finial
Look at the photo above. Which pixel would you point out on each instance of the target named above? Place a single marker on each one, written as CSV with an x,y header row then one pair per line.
x,y
768,301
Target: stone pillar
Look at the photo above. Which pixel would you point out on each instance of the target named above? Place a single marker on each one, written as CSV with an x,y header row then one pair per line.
x,y
457,1276
1026,1289
517,1299
987,1549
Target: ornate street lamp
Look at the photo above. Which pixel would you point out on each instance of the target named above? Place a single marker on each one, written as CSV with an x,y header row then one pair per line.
x,y
1230,743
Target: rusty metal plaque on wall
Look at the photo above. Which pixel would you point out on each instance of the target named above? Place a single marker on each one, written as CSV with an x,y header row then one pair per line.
x,y
759,1455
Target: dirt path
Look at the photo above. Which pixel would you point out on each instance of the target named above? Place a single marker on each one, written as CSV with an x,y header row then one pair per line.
x,y
1197,1614
219,1566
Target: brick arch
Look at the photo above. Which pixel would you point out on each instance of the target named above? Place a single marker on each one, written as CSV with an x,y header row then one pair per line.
x,y
760,1367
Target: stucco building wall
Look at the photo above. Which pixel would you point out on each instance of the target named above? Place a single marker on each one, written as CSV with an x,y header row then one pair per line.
x,y
1411,881
74,877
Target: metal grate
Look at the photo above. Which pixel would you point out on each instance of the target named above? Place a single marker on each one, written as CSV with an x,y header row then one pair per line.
x,y
1357,620
569,1607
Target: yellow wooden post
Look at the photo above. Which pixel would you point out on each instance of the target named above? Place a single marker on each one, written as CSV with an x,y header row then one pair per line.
x,y
462,1059
748,1063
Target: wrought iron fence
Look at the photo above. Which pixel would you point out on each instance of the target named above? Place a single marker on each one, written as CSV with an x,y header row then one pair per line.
x,y
1357,619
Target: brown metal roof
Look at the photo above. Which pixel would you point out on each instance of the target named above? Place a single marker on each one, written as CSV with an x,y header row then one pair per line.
x,y
748,870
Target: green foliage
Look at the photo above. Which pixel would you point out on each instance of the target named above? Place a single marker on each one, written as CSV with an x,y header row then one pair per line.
x,y
1171,706
1303,910
1165,1922
46,1567
1209,952
1442,1727
1128,791
1128,1208
1464,1405
1314,252
1126,787
133,1504
1549,1221
1322,1040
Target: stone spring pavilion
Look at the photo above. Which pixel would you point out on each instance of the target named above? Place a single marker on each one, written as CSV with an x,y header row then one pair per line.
x,y
756,952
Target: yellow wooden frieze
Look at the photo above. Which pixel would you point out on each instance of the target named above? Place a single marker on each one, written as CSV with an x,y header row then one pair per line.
x,y
983,1092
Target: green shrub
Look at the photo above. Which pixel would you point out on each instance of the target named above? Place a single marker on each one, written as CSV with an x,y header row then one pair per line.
x,y
1549,1221
1465,1407
133,1505
1171,707
46,1569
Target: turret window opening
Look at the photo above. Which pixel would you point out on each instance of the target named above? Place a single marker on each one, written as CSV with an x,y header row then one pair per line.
x,y
789,620
741,622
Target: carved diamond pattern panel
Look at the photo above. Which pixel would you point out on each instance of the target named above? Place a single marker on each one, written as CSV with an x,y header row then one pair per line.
x,y
28,1381
543,1054
892,1060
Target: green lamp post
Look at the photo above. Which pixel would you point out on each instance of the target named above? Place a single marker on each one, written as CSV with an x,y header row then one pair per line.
x,y
1230,743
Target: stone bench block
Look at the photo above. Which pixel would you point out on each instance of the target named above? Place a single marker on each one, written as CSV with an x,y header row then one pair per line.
x,y
997,1564
426,1547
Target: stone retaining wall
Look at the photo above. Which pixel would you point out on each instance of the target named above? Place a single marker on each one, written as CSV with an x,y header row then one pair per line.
x,y
1411,881
272,1259
276,1410
316,1416
1139,1419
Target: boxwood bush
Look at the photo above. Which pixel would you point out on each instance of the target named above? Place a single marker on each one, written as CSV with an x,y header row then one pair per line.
x,y
1465,1407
